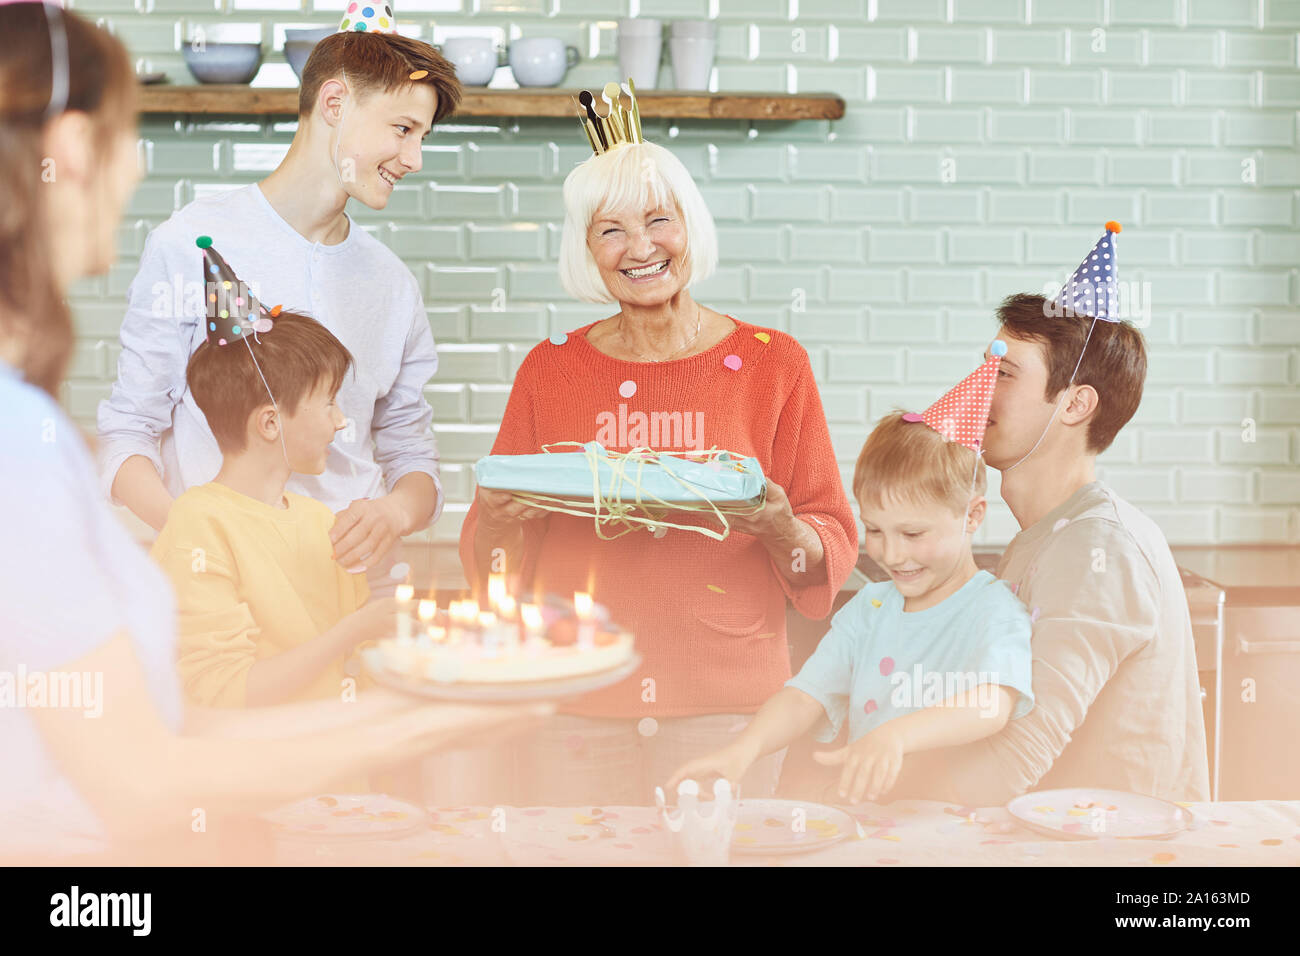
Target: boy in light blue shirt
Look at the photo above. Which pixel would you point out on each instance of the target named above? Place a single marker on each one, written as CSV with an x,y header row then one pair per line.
x,y
937,656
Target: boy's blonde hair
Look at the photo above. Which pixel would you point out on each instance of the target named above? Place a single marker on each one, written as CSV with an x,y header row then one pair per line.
x,y
910,461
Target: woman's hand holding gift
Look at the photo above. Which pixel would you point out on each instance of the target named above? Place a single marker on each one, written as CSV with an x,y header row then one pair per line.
x,y
871,764
795,547
501,510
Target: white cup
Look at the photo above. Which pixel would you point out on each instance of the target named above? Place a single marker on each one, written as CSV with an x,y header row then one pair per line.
x,y
541,61
692,61
640,48
475,58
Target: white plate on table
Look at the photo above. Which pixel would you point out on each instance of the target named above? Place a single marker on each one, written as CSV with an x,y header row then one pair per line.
x,y
513,691
774,827
347,817
1080,813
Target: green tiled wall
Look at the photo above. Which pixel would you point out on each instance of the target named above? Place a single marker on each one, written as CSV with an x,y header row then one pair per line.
x,y
985,143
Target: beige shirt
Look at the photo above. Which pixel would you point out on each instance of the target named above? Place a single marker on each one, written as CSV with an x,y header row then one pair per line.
x,y
1118,701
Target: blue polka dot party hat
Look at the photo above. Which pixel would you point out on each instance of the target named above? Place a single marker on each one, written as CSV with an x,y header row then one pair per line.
x,y
233,312
1093,290
360,16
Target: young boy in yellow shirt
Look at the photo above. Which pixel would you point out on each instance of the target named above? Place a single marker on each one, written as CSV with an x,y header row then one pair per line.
x,y
267,615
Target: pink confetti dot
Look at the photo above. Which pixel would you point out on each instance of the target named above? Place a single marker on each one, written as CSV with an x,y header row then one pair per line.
x,y
886,666
627,389
869,707
1034,615
732,362
913,417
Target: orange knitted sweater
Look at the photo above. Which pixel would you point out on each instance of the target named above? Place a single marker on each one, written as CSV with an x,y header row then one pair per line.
x,y
709,616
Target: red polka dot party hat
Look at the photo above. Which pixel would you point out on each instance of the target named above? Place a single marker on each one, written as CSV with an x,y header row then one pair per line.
x,y
962,414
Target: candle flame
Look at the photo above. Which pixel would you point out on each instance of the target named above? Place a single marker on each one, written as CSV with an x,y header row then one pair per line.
x,y
426,610
532,615
496,589
582,604
405,592
506,607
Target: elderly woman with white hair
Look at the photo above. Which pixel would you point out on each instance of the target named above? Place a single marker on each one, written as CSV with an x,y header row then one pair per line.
x,y
709,616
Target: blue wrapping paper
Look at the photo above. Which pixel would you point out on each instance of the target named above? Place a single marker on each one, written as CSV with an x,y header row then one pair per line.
x,y
727,480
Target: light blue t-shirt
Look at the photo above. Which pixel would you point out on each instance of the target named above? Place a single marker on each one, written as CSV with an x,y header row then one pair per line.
x,y
71,577
878,662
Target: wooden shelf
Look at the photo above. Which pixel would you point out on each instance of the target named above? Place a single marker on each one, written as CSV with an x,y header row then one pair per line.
x,y
673,104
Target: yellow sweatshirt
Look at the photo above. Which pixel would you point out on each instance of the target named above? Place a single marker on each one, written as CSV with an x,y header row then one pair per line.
x,y
251,581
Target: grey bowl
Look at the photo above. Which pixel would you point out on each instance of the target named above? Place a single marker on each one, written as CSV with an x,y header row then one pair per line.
x,y
224,62
298,45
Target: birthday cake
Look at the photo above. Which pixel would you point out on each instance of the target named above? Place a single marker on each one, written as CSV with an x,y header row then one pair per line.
x,y
509,644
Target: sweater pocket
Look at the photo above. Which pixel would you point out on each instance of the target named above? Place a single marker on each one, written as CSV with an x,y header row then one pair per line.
x,y
737,611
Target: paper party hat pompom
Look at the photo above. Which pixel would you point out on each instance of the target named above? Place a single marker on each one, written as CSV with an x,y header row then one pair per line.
x,y
963,413
1093,290
361,16
232,310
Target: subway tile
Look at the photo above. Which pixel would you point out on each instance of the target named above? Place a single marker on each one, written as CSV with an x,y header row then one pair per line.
x,y
1278,169
942,286
989,166
1254,288
1094,45
1029,46
1028,206
949,205
1145,168
844,404
905,165
1198,485
1146,13
849,82
865,286
470,363
1192,525
826,244
512,242
829,326
831,163
946,126
450,403
1176,447
885,325
1182,128
875,124
789,203
1074,86
1278,249
463,283
1216,248
1271,446
785,285
934,11
1251,368
467,202
1279,89
1220,89
1279,488
1254,50
753,243
744,160
540,281
1259,129
1235,13
1026,126
878,205
764,78
1279,408
426,242
1279,327
905,245
1094,207
1266,209
948,45
487,403
873,44
1222,407
1180,208
726,284
1215,168
1140,485
725,202
1066,167
864,365
465,443
1177,288
936,366
988,11
1147,88
510,162
1107,128
795,42
911,85
984,245
986,86
1185,48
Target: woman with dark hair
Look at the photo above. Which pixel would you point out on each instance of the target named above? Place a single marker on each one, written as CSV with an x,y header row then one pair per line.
x,y
97,748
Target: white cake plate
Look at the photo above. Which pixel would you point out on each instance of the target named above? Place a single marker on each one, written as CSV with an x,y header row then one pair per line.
x,y
506,692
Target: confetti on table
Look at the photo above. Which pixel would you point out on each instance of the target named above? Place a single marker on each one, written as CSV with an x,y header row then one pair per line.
x,y
627,389
1270,842
763,337
732,362
1163,858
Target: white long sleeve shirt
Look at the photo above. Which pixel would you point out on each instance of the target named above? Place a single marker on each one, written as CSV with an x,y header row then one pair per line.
x,y
358,289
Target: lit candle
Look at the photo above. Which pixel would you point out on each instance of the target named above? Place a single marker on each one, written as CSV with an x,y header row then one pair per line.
x,y
582,606
426,610
496,590
405,593
531,615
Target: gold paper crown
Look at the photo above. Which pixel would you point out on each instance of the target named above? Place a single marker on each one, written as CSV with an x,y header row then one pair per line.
x,y
621,123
